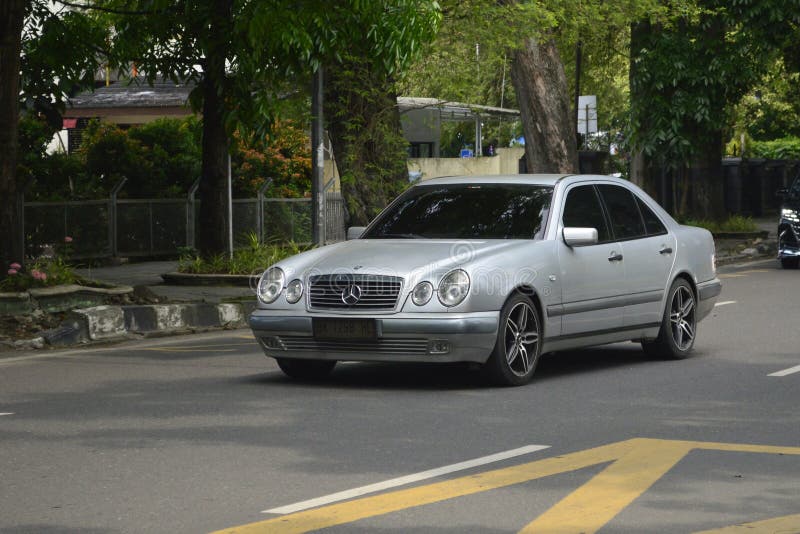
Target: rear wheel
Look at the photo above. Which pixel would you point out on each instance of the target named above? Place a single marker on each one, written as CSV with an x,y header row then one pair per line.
x,y
518,344
790,263
678,326
306,369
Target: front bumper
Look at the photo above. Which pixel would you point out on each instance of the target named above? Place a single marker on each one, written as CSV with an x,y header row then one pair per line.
x,y
405,337
707,293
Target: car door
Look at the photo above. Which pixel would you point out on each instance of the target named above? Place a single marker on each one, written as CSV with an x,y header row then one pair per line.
x,y
648,251
592,276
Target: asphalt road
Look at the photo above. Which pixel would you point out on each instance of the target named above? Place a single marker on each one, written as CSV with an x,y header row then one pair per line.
x,y
203,433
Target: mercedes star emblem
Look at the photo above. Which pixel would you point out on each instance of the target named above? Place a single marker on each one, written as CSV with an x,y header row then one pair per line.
x,y
351,294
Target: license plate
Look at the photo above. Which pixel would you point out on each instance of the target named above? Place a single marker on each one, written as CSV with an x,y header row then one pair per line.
x,y
344,328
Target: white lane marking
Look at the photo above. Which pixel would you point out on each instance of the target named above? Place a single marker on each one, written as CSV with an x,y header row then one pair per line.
x,y
724,303
786,372
401,481
6,413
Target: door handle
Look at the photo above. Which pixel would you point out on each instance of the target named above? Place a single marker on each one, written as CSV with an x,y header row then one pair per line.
x,y
615,257
665,250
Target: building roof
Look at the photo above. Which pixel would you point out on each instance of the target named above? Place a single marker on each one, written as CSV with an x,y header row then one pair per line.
x,y
134,93
137,93
454,110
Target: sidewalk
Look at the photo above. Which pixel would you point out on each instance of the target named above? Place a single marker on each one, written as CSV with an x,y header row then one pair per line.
x,y
148,274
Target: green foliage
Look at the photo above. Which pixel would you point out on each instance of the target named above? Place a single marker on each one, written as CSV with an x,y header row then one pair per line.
x,y
735,223
284,157
786,148
686,74
251,259
62,49
771,110
172,154
160,159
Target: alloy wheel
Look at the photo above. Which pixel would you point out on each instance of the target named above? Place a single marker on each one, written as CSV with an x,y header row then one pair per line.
x,y
682,318
521,339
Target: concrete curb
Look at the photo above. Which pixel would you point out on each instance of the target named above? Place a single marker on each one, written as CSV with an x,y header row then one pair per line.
x,y
116,323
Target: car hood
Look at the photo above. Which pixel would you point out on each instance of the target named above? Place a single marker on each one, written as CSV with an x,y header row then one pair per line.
x,y
396,257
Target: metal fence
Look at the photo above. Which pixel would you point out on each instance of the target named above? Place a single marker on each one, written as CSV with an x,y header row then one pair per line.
x,y
155,227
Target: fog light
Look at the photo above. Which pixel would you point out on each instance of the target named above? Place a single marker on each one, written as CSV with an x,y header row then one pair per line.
x,y
438,346
272,343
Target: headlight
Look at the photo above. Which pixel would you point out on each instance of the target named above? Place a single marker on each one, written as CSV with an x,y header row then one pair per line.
x,y
453,288
270,285
422,293
294,291
790,214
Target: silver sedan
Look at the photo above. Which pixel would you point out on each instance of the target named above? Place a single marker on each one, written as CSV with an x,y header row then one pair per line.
x,y
495,270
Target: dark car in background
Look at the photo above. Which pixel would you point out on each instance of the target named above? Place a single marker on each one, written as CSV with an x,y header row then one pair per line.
x,y
789,226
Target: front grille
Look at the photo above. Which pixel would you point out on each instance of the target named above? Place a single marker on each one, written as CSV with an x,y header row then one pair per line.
x,y
369,292
379,346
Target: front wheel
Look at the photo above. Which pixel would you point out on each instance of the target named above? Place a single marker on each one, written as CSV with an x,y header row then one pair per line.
x,y
306,369
518,346
790,263
678,326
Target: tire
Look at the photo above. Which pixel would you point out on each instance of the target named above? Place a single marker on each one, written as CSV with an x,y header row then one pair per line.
x,y
790,263
679,325
306,369
518,346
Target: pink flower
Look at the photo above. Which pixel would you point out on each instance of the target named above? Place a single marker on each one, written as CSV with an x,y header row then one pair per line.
x,y
38,275
43,277
16,266
12,272
67,239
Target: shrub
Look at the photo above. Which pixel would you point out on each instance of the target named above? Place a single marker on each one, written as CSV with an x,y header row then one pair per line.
x,y
251,259
786,148
285,157
50,269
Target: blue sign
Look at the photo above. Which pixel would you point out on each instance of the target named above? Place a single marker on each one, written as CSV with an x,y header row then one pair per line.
x,y
467,153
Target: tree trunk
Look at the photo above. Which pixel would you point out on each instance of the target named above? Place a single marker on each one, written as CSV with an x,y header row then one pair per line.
x,y
642,172
213,221
708,197
366,134
12,15
543,97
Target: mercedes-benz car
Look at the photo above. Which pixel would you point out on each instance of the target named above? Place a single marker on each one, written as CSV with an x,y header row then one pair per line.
x,y
789,226
493,270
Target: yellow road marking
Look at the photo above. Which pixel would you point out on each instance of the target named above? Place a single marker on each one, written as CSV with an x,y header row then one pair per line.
x,y
731,276
637,464
596,503
789,524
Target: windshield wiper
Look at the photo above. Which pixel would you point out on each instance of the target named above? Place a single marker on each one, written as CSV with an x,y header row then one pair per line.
x,y
400,236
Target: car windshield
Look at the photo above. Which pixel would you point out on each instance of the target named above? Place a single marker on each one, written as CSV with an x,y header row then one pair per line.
x,y
465,211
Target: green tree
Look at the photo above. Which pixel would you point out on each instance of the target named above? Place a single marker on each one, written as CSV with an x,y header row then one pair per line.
x,y
57,52
686,74
245,55
523,64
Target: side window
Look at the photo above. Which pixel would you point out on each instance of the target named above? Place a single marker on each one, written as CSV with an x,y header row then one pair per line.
x,y
624,213
652,223
582,209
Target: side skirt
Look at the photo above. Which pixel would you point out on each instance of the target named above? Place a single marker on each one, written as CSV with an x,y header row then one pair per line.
x,y
602,337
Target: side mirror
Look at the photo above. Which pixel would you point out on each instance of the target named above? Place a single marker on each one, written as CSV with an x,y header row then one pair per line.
x,y
354,232
782,193
576,237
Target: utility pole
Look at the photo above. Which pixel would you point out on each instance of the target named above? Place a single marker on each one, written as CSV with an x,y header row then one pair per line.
x,y
317,160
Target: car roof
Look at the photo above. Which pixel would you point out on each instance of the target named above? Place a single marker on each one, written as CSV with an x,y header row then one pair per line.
x,y
531,179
